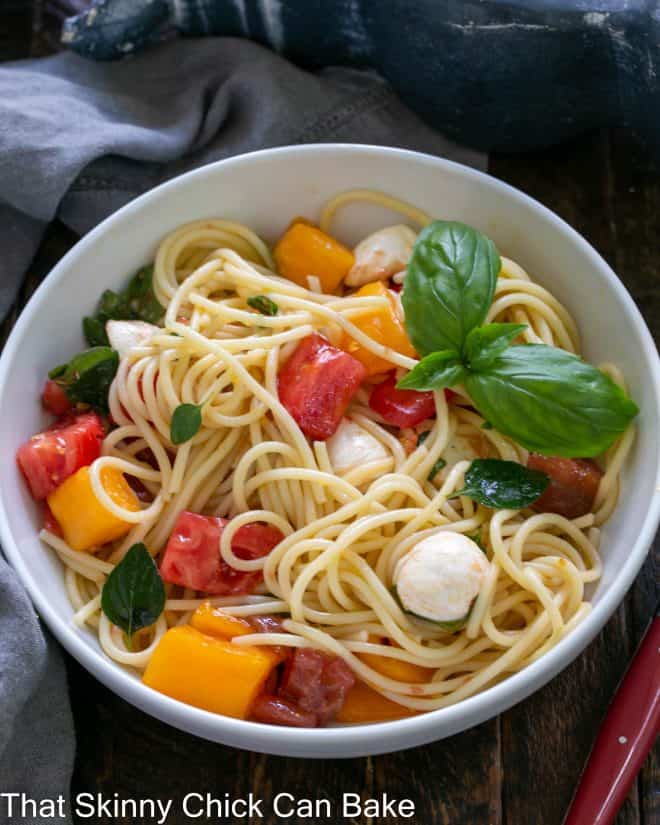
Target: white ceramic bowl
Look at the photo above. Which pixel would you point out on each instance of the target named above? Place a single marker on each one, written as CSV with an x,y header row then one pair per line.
x,y
265,190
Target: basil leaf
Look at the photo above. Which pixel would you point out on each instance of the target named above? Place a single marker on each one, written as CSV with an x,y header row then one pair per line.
x,y
484,344
136,303
504,485
94,332
439,464
421,438
551,402
185,424
437,370
263,304
133,596
449,285
87,377
450,627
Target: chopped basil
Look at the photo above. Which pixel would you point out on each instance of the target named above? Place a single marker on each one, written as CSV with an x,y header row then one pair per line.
x,y
421,438
504,485
263,304
133,596
87,377
135,303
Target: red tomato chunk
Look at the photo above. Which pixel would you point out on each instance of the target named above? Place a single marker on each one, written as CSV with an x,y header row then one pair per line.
x,y
54,399
192,556
573,484
50,457
317,384
275,711
401,408
316,683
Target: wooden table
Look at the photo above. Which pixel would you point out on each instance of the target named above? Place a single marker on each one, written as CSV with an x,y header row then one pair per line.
x,y
520,768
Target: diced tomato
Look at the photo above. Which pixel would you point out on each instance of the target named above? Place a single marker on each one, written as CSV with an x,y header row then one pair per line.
x,y
50,457
317,384
54,399
192,556
275,711
50,522
573,484
401,408
316,683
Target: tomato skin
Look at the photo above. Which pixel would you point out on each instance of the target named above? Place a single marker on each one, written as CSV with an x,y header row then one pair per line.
x,y
573,484
317,384
50,522
401,408
316,683
54,399
272,710
192,556
50,457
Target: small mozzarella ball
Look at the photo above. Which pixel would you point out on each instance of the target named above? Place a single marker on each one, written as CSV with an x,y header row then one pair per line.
x,y
124,335
352,446
381,255
441,577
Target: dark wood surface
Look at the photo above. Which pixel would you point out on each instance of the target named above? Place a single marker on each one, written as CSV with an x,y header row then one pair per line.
x,y
518,769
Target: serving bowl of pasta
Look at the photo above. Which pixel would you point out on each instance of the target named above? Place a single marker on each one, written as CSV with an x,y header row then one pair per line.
x,y
329,450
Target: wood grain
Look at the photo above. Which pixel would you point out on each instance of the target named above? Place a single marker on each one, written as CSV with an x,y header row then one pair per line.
x,y
519,769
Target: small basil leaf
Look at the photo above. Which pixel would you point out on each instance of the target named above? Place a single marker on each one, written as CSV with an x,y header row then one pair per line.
x,y
263,304
185,424
449,627
437,370
141,299
486,425
484,344
449,285
478,540
439,464
87,377
133,596
551,402
504,485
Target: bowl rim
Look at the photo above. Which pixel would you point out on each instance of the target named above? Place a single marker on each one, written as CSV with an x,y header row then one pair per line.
x,y
359,738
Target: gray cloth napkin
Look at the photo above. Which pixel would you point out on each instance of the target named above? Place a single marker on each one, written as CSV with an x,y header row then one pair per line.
x,y
79,140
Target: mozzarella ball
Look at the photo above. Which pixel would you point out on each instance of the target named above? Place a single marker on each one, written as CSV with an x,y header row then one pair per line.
x,y
124,335
441,577
381,255
352,446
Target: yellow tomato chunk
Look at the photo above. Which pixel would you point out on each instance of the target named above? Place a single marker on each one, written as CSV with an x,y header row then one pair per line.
x,y
85,522
305,250
209,673
364,704
385,326
212,621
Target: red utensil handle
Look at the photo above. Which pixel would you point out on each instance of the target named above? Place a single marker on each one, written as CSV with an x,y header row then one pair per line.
x,y
625,738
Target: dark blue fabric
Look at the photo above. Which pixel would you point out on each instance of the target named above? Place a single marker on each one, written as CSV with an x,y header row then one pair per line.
x,y
497,75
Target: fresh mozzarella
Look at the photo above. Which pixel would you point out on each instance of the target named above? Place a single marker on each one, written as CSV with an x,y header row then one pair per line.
x,y
351,446
381,255
441,577
124,335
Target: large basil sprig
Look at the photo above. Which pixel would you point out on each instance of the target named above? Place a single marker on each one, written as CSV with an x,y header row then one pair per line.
x,y
542,397
133,596
449,285
551,401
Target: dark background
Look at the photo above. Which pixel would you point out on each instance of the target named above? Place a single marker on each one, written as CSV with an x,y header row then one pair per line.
x,y
520,768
